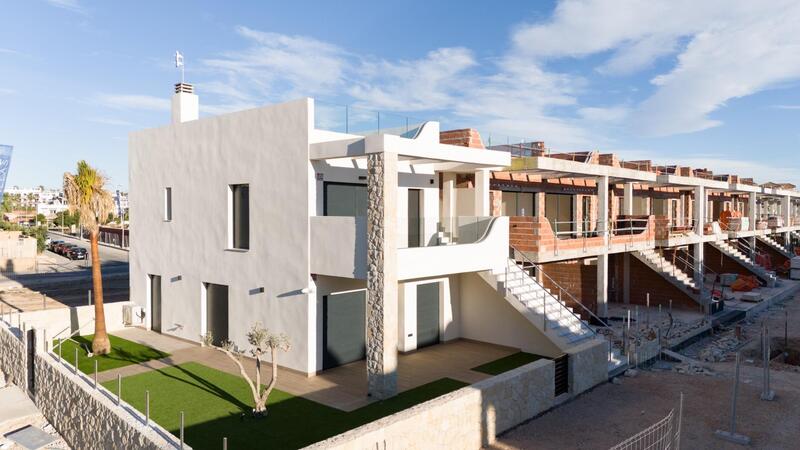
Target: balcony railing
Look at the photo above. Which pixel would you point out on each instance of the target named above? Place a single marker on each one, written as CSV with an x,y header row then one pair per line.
x,y
438,231
363,122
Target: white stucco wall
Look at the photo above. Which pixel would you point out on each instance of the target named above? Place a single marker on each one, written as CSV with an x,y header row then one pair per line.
x,y
266,148
486,316
407,311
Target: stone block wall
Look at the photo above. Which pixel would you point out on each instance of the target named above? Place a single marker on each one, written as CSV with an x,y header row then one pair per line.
x,y
588,365
12,356
470,417
86,418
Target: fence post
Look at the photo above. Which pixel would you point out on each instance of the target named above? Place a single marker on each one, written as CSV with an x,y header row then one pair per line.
x,y
767,393
89,293
731,435
75,369
60,342
224,443
147,407
181,429
119,388
95,374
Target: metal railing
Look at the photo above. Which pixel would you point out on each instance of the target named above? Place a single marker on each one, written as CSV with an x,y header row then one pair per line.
x,y
363,122
517,255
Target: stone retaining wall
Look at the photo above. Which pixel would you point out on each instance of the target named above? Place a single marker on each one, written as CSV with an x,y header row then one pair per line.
x,y
12,357
470,417
87,418
588,365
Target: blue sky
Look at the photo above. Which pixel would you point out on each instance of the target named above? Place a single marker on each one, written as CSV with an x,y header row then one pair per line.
x,y
708,84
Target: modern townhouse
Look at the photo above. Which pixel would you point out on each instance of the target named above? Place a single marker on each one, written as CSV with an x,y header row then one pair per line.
x,y
364,235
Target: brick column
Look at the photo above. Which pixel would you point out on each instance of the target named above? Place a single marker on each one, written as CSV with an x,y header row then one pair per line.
x,y
382,275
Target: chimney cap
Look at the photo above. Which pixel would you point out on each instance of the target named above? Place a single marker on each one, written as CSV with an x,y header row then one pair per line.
x,y
185,88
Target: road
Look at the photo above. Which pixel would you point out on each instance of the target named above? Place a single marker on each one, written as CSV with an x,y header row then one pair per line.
x,y
69,281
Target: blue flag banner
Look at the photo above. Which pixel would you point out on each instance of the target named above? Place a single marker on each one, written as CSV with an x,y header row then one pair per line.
x,y
5,163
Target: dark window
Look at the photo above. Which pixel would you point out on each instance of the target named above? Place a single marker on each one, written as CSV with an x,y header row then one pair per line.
x,y
168,203
240,194
343,199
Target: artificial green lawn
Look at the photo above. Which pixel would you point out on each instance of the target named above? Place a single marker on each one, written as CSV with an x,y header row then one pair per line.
x,y
507,363
213,402
123,353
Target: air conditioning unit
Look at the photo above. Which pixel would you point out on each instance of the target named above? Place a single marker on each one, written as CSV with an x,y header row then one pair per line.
x,y
127,315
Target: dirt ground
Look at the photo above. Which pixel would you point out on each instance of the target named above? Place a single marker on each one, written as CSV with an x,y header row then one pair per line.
x,y
611,413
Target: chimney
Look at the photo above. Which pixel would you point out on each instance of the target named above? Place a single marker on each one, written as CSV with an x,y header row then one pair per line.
x,y
185,104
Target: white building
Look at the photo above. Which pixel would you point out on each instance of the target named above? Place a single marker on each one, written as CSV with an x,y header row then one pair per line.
x,y
355,245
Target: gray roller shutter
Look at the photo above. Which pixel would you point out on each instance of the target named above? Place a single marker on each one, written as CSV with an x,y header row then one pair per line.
x,y
427,314
343,328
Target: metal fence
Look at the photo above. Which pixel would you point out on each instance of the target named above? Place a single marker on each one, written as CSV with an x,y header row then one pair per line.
x,y
662,435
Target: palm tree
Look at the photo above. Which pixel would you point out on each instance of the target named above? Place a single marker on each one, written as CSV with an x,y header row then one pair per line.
x,y
85,193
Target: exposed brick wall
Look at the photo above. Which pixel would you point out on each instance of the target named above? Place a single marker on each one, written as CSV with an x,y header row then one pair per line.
x,y
578,279
535,234
464,138
777,257
721,263
645,280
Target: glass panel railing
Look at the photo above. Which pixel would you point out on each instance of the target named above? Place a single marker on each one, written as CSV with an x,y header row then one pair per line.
x,y
433,232
363,122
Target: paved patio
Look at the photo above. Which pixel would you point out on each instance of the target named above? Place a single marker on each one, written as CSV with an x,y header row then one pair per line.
x,y
343,387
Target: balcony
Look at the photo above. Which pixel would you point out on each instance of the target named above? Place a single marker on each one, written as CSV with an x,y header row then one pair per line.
x,y
535,237
455,245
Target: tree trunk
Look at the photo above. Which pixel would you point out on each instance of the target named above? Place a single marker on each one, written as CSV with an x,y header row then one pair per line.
x,y
100,344
262,403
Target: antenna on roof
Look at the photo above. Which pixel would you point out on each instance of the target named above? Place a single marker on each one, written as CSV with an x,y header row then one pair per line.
x,y
179,63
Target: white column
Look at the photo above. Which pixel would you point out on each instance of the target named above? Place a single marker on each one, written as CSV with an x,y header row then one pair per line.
x,y
627,200
482,204
602,259
786,209
752,209
382,275
700,204
448,201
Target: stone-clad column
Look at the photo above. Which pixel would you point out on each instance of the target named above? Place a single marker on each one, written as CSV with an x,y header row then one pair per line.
x,y
382,275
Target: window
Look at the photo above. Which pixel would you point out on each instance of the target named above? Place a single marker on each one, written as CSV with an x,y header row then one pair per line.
x,y
518,204
343,199
558,210
168,203
240,216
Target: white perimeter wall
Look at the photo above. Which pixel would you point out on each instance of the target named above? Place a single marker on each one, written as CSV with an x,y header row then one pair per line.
x,y
266,148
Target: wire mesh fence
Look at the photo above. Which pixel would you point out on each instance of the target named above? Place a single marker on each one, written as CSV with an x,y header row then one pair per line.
x,y
662,435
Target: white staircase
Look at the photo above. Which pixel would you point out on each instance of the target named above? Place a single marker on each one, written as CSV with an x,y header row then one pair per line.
x,y
680,279
740,257
547,313
776,245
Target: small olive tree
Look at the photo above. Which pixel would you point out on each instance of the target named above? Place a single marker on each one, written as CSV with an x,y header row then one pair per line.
x,y
261,341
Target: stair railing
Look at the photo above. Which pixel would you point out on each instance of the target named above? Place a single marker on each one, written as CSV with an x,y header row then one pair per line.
x,y
516,255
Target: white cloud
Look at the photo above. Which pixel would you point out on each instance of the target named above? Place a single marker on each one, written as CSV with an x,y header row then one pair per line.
x,y
134,102
8,51
7,91
786,107
732,50
69,5
278,66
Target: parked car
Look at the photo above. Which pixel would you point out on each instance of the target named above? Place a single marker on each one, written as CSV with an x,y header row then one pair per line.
x,y
53,244
76,253
59,248
64,248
